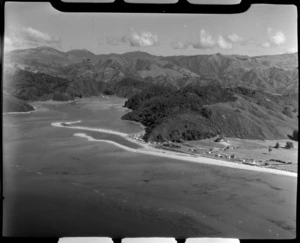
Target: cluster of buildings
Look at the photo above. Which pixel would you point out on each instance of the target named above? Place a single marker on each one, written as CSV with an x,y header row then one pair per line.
x,y
138,136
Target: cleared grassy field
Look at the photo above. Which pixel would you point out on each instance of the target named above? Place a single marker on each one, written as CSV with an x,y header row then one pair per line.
x,y
243,149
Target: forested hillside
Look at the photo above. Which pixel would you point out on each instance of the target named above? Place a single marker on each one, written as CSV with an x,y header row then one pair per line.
x,y
202,112
13,104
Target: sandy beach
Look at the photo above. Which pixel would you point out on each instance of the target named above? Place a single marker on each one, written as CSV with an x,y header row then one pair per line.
x,y
147,149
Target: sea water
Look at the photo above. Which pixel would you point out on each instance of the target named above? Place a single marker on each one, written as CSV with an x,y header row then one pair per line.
x,y
57,184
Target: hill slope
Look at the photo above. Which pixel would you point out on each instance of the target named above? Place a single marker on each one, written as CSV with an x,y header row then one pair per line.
x,y
13,104
275,74
175,97
202,112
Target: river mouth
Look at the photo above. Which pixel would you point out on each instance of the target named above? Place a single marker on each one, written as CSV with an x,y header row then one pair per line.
x,y
58,184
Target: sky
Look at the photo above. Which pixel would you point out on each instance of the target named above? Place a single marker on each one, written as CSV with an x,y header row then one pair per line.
x,y
262,30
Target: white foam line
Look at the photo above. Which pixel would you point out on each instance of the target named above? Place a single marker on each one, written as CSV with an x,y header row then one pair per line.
x,y
89,138
59,124
168,154
121,134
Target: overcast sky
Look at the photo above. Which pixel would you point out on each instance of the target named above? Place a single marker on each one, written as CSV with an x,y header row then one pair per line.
x,y
262,30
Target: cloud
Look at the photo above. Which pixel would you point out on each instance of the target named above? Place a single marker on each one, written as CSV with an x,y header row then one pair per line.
x,y
222,43
142,39
205,41
179,45
8,44
278,38
38,37
28,36
12,38
234,38
274,39
134,39
291,50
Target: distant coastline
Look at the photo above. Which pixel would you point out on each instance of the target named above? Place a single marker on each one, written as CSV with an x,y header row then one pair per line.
x,y
148,149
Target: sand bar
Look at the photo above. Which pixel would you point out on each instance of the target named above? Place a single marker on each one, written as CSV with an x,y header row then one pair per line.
x,y
147,149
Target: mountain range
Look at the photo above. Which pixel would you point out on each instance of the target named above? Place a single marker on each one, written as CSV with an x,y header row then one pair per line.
x,y
175,97
276,74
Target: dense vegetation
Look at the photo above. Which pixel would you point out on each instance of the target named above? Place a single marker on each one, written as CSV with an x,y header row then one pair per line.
x,y
294,135
30,86
157,104
198,112
34,86
13,104
126,88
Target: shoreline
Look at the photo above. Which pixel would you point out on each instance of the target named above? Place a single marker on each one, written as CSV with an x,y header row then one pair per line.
x,y
148,149
19,112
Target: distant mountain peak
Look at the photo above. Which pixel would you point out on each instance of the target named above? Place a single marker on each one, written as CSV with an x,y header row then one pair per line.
x,y
80,51
46,48
36,50
137,54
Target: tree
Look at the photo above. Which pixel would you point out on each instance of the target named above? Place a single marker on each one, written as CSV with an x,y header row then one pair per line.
x,y
289,145
276,145
270,150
